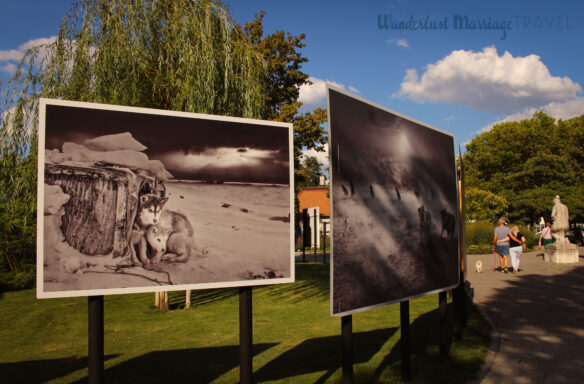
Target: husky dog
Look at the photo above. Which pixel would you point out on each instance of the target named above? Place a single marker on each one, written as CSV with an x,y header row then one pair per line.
x,y
179,235
448,223
149,210
156,240
149,213
479,266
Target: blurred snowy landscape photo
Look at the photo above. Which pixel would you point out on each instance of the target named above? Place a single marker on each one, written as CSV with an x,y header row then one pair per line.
x,y
394,205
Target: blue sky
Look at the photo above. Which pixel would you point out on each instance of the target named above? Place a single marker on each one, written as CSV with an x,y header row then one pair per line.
x,y
443,73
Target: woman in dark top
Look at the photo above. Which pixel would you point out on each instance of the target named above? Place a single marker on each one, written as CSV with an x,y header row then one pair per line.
x,y
516,247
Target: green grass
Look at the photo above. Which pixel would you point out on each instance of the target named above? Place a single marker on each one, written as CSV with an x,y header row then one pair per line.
x,y
295,338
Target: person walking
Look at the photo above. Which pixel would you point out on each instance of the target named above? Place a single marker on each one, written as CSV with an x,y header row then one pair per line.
x,y
546,236
516,247
501,243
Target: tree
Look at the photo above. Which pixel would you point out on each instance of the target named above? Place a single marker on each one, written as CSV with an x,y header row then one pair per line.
x,y
282,81
309,172
283,76
528,163
180,55
484,205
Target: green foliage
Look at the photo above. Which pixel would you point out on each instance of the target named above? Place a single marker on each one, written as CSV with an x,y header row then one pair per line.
x,y
283,76
479,233
169,54
13,281
17,240
531,239
484,205
528,163
309,172
478,249
184,55
479,237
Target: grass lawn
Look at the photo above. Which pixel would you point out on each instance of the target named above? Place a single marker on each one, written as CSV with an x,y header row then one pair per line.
x,y
295,338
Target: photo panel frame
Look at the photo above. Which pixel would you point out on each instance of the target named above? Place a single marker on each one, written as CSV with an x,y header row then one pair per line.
x,y
394,206
137,200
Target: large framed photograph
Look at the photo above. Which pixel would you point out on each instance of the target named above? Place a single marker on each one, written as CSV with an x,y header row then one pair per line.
x,y
394,206
141,200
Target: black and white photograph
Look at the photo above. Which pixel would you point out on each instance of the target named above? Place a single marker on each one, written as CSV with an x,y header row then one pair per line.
x,y
394,206
141,200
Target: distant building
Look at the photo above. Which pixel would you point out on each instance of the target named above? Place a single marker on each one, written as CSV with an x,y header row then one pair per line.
x,y
312,197
315,197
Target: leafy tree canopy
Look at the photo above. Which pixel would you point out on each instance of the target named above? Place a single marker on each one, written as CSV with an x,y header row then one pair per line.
x,y
528,163
186,55
283,76
484,205
309,172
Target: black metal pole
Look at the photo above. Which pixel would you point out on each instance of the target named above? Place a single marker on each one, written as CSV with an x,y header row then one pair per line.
x,y
245,336
459,298
315,235
442,310
347,332
404,311
95,350
305,227
324,243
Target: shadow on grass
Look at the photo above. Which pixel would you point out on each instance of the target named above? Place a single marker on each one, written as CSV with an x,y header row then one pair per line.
x,y
177,299
201,365
41,371
322,354
427,366
312,280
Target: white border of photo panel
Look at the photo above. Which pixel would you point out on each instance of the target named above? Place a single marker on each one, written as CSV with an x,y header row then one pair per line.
x,y
331,154
41,293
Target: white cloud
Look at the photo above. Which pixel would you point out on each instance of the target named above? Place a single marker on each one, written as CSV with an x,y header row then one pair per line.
x,y
322,157
313,95
399,42
8,67
353,89
9,58
449,118
559,110
484,80
218,158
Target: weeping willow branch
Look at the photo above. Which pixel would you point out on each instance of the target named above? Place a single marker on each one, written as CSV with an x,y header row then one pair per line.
x,y
183,55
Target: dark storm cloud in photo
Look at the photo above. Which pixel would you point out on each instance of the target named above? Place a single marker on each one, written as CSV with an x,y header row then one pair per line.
x,y
190,148
394,203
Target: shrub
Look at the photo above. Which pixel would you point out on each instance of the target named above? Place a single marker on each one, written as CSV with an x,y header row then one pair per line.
x,y
531,239
13,281
479,233
475,249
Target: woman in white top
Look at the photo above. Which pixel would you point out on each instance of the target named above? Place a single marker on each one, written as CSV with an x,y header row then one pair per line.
x,y
546,236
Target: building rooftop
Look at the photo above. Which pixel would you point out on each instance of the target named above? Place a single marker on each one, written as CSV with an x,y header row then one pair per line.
x,y
315,197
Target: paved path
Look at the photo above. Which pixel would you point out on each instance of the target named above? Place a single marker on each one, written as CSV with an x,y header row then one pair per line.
x,y
539,317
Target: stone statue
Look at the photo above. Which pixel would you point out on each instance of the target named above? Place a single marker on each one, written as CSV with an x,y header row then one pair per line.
x,y
561,223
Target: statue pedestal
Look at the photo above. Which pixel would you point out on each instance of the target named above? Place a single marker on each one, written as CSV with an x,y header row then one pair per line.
x,y
562,253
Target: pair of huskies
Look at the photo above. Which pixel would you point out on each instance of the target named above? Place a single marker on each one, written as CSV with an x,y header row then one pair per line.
x,y
160,235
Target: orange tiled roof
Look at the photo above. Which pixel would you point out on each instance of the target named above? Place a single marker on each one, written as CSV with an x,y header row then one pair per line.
x,y
315,198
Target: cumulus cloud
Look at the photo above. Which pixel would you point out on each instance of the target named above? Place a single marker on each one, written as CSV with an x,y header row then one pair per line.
x,y
313,95
484,80
9,58
559,110
322,157
399,42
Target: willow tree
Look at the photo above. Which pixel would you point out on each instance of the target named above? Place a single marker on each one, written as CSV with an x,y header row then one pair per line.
x,y
184,55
